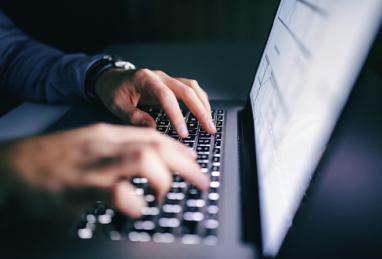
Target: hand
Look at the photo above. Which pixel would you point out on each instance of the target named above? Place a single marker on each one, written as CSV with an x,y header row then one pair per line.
x,y
121,91
78,167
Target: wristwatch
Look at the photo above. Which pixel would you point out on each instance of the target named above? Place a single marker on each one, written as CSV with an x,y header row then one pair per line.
x,y
104,63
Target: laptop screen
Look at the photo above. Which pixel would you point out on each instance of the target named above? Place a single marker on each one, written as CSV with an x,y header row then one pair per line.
x,y
313,55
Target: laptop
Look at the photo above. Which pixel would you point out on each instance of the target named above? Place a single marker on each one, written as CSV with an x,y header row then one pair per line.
x,y
264,155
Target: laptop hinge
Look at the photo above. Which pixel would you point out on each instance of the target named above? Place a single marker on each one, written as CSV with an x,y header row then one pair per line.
x,y
251,231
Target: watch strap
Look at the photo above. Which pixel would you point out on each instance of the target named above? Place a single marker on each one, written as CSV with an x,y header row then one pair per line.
x,y
100,66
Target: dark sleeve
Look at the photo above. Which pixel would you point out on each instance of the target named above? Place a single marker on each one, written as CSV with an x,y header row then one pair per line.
x,y
31,71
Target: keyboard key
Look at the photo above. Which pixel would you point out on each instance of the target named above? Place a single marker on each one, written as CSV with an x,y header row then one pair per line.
x,y
162,129
192,131
204,135
192,125
163,237
203,165
175,196
216,159
210,240
211,224
199,203
188,144
169,222
189,138
204,141
212,209
162,123
215,168
193,216
139,236
213,196
211,232
177,178
214,184
168,208
215,173
192,119
149,198
191,239
85,230
193,193
172,132
179,184
216,151
144,225
202,149
150,211
202,157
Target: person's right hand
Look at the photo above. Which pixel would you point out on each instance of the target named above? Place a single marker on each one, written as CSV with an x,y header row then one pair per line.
x,y
121,91
81,166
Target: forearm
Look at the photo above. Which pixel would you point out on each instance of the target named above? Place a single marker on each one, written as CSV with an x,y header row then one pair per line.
x,y
31,71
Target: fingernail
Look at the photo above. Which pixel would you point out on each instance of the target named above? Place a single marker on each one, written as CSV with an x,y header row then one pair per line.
x,y
211,125
183,130
145,123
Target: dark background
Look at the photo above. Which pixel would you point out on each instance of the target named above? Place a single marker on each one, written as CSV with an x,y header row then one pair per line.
x,y
91,25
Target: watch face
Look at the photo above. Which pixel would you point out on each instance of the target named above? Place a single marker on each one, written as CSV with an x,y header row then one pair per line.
x,y
124,65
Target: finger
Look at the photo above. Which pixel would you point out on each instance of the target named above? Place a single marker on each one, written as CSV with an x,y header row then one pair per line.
x,y
183,165
166,99
135,116
148,164
126,199
139,159
111,136
191,100
199,91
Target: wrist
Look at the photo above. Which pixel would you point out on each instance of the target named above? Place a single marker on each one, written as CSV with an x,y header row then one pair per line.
x,y
99,69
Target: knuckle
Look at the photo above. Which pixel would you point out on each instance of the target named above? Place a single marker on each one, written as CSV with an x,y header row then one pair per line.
x,y
204,93
188,92
143,73
159,72
100,127
194,83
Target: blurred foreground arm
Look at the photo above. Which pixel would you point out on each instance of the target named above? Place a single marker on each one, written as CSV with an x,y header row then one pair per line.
x,y
75,168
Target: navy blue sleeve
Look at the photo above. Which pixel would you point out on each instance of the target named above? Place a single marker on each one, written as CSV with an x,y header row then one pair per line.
x,y
31,71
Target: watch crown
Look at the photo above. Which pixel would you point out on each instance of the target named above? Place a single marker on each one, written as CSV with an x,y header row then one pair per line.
x,y
124,64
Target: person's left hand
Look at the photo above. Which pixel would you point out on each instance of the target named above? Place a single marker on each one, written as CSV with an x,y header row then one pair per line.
x,y
121,91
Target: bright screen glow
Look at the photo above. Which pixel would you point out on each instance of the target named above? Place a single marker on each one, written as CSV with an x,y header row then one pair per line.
x,y
314,53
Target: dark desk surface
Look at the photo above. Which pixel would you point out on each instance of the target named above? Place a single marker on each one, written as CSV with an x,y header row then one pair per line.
x,y
225,71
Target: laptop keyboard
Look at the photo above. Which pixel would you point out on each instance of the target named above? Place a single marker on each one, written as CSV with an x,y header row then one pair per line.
x,y
186,214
